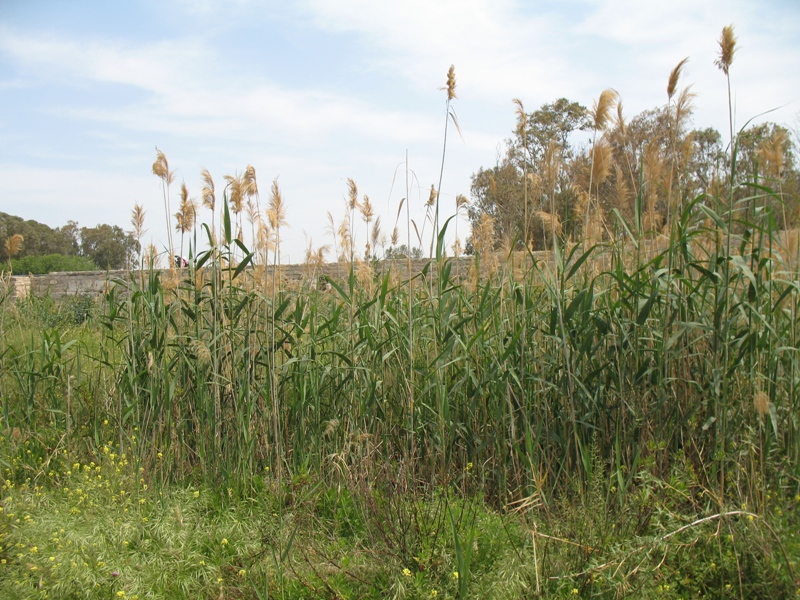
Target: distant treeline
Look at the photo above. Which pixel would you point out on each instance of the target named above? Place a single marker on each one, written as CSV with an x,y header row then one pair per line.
x,y
637,174
68,248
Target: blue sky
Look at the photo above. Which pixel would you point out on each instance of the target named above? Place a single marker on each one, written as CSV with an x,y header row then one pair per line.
x,y
315,91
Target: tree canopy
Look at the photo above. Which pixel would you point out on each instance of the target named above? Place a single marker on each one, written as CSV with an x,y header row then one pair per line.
x,y
106,246
645,168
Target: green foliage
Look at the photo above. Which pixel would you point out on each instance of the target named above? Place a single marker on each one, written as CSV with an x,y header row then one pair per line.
x,y
401,251
109,247
40,239
35,313
50,263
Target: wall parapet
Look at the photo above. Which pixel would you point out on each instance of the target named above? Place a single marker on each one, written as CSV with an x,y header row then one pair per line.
x,y
97,283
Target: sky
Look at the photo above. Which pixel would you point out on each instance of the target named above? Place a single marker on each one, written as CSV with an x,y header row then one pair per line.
x,y
313,92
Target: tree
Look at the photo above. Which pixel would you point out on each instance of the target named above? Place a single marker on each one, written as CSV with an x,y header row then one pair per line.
x,y
108,246
537,157
708,161
553,122
766,156
40,239
498,192
401,251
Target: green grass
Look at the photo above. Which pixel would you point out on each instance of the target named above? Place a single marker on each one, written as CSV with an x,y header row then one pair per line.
x,y
97,530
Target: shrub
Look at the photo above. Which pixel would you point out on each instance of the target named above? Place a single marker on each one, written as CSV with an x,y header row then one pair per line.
x,y
51,263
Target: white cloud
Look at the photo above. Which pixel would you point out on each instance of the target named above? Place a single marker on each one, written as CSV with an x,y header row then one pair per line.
x,y
206,107
499,52
190,94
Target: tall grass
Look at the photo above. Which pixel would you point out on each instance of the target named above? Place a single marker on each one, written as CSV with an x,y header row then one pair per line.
x,y
628,359
522,374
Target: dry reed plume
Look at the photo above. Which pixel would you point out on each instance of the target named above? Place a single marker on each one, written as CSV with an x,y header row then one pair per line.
x,y
14,245
451,83
727,48
601,110
137,221
161,170
207,193
674,76
187,213
761,403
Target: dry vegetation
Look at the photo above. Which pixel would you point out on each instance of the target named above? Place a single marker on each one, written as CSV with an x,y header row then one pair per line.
x,y
621,420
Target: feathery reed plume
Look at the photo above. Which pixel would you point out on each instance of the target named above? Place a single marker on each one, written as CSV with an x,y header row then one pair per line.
x,y
595,227
395,236
727,48
674,76
314,259
151,256
581,206
14,245
236,195
600,115
522,134
137,220
208,195
551,165
550,223
277,208
352,205
161,170
431,197
365,276
483,235
352,190
761,403
623,192
330,229
345,240
684,106
201,351
187,212
449,114
375,235
621,120
451,83
185,217
601,110
330,427
522,120
773,153
601,163
249,185
457,249
209,198
264,241
367,211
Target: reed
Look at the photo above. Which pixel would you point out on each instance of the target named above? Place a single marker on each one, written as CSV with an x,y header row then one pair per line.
x,y
591,370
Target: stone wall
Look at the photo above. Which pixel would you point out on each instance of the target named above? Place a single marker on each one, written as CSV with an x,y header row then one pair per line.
x,y
95,283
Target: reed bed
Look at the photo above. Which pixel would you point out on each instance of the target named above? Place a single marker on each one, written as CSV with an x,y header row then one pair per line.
x,y
526,376
626,365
